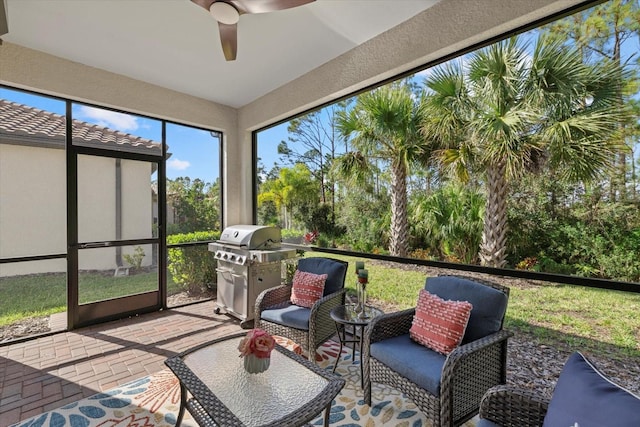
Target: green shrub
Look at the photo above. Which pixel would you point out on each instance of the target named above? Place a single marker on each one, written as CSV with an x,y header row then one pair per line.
x,y
193,267
135,259
292,234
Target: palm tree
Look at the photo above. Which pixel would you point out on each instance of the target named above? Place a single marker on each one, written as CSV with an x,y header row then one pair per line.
x,y
508,113
449,220
383,129
293,187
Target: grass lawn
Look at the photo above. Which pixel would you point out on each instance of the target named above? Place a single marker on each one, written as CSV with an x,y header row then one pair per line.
x,y
563,316
42,295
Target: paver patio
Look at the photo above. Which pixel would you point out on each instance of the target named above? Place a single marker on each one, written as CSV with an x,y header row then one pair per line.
x,y
48,372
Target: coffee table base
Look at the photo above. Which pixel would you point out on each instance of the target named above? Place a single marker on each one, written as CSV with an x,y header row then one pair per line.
x,y
202,418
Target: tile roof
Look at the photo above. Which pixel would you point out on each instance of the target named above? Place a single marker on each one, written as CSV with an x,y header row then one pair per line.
x,y
28,123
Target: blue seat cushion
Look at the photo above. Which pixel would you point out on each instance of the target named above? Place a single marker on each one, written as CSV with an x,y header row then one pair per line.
x,y
583,395
336,271
416,362
291,315
489,304
486,423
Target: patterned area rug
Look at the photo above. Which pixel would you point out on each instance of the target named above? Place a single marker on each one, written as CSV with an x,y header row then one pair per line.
x,y
153,401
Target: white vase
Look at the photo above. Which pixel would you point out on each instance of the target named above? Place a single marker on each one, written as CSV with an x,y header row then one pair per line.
x,y
255,365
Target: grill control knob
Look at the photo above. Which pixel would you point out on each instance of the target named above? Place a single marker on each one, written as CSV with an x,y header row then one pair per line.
x,y
225,256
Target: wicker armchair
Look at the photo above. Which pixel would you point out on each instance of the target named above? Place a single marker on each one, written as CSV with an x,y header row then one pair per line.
x,y
275,313
509,406
447,389
583,396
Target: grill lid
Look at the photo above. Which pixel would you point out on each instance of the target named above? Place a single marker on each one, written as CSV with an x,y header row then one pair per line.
x,y
251,236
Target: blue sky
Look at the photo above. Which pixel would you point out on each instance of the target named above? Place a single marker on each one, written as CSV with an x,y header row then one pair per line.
x,y
194,152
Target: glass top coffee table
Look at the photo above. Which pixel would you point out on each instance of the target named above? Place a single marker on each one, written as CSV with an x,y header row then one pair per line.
x,y
345,315
217,390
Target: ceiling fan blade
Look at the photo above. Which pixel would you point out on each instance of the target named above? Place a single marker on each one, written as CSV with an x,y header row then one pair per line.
x,y
229,40
205,4
264,6
229,32
4,24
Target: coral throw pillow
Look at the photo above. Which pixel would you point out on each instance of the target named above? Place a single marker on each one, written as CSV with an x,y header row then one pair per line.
x,y
439,324
307,288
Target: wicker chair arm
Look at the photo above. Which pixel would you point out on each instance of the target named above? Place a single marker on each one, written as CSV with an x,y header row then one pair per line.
x,y
322,307
510,406
476,366
464,350
321,326
468,356
272,297
388,326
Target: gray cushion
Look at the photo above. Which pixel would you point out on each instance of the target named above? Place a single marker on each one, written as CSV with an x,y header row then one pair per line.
x,y
291,315
486,423
489,304
336,271
411,360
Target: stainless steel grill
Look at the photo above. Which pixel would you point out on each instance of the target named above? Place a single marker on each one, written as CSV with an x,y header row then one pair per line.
x,y
249,261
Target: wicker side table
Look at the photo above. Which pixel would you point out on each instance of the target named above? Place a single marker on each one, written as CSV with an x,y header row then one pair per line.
x,y
345,315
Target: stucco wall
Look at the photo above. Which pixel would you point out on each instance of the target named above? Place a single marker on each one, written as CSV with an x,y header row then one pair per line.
x,y
33,207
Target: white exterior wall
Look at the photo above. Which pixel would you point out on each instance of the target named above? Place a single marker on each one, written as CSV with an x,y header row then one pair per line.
x,y
33,208
96,199
137,206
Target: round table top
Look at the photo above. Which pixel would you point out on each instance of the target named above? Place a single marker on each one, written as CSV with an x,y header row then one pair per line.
x,y
346,314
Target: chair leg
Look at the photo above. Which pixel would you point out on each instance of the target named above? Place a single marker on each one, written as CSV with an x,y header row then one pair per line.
x,y
312,353
366,388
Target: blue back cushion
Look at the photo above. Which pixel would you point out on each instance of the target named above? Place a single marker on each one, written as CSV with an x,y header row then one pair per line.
x,y
336,271
585,396
489,304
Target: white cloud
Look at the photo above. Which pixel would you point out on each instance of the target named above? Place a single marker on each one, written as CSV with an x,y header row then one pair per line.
x,y
177,164
110,119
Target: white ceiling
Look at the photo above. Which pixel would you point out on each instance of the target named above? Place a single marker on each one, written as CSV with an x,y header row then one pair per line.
x,y
175,43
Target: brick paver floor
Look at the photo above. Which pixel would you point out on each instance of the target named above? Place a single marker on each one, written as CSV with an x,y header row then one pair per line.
x,y
48,372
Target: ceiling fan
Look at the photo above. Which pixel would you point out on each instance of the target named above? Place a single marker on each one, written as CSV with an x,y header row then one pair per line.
x,y
227,13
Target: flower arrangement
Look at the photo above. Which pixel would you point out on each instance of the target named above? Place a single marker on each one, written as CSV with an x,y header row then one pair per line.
x,y
258,343
256,349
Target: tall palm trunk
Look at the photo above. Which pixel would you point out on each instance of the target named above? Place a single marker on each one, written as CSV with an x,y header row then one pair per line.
x,y
494,236
398,245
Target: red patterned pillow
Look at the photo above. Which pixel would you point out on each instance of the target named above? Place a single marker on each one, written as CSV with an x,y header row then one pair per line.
x,y
307,288
439,324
